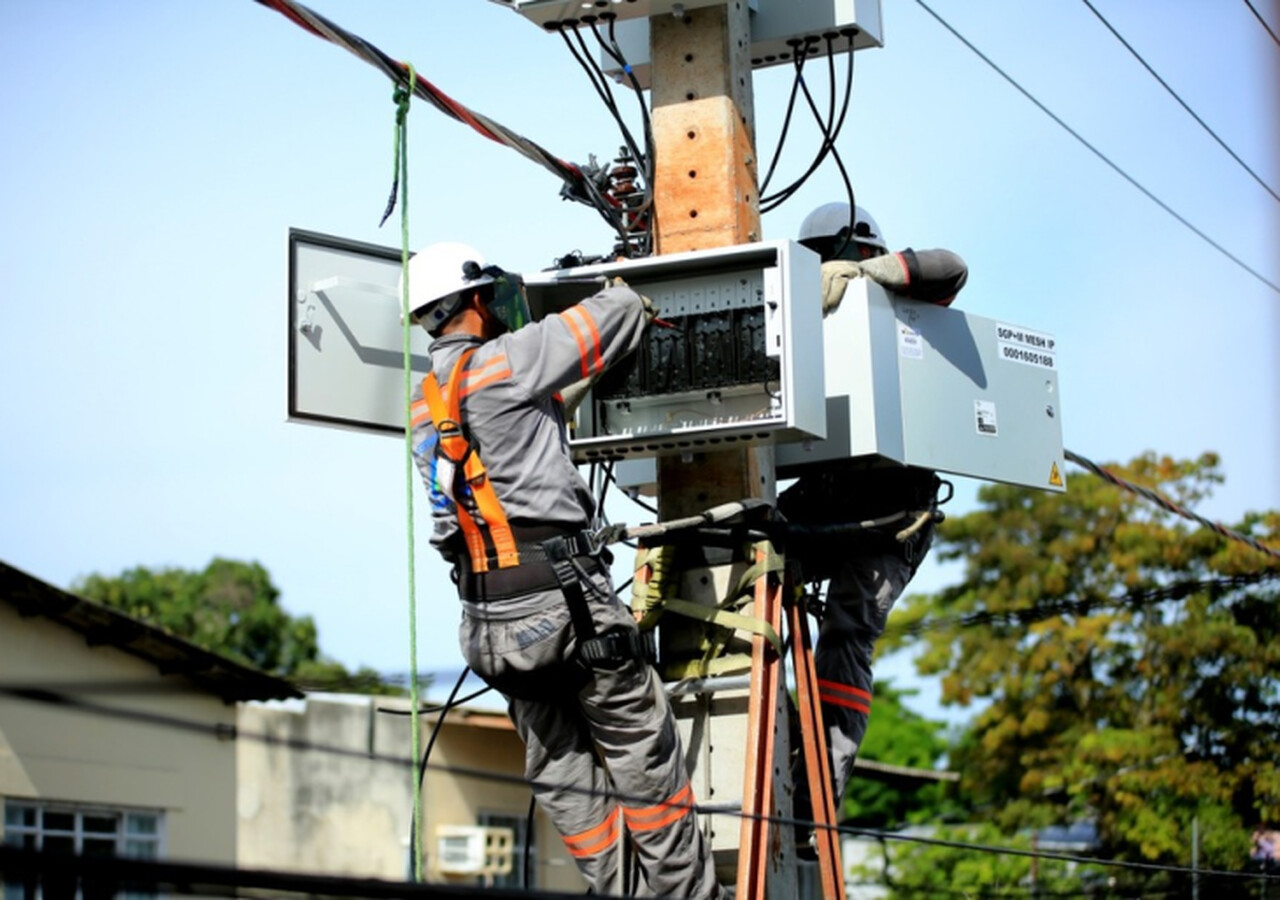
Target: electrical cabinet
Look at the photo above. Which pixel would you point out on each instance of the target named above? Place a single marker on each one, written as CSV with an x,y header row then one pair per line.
x,y
935,387
778,27
911,383
735,356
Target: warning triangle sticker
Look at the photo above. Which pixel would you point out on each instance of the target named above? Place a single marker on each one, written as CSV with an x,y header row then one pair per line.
x,y
1055,477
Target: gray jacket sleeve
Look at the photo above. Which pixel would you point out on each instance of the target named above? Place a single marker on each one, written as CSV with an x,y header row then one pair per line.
x,y
581,342
935,276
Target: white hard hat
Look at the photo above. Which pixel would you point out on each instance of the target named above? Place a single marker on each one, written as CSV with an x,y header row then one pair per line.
x,y
830,221
438,274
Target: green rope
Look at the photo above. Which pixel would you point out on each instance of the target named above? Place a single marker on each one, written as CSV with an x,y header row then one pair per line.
x,y
403,94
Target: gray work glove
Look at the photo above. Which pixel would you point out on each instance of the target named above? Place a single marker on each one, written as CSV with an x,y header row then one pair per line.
x,y
649,311
886,270
573,395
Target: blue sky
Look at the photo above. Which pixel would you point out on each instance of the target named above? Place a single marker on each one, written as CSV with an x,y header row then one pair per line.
x,y
156,154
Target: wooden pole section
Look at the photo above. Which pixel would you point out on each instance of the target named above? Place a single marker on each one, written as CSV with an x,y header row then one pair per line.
x,y
705,196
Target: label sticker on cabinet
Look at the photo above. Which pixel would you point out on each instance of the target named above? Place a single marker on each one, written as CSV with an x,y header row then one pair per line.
x,y
1021,345
984,414
910,344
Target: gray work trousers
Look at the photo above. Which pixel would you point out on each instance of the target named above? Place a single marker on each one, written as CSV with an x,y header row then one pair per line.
x,y
605,764
861,594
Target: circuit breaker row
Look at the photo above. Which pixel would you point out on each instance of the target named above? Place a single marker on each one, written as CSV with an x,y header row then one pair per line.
x,y
703,352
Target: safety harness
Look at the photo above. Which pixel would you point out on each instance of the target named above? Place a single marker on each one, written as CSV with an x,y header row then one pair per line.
x,y
456,457
508,566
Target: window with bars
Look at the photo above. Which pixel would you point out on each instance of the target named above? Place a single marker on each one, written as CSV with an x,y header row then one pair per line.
x,y
86,831
523,840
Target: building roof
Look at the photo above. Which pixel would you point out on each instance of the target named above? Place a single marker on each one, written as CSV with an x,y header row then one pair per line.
x,y
102,626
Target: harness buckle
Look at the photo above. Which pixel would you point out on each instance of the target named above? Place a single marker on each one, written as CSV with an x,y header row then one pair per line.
x,y
619,646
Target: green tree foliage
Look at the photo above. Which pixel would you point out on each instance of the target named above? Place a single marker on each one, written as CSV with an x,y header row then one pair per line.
x,y
1126,662
899,737
230,608
912,869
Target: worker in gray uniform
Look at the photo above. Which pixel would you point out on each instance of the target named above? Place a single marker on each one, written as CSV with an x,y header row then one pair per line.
x,y
869,565
541,622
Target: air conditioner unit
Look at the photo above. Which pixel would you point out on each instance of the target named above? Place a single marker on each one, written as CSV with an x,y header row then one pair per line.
x,y
473,850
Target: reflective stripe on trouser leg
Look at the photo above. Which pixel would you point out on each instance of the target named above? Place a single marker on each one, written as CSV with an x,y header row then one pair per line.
x,y
572,788
636,731
624,713
858,602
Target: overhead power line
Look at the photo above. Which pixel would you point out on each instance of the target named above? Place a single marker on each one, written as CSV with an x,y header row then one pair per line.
x,y
1263,22
1098,153
1181,102
11,857
1167,504
1084,606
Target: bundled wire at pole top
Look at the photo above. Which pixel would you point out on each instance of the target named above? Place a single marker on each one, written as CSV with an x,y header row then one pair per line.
x,y
578,185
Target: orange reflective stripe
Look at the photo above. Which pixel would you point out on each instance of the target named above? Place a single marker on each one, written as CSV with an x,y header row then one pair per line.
x,y
651,818
419,411
844,695
595,363
588,342
496,376
495,369
594,840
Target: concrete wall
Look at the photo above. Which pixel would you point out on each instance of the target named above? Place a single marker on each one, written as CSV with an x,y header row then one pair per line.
x,y
108,756
326,786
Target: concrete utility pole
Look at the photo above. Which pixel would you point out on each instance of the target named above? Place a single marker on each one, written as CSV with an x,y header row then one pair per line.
x,y
705,196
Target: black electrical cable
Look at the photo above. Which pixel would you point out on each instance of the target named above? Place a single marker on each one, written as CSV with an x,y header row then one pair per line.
x,y
600,82
615,50
634,499
604,490
1174,94
1047,609
528,833
643,159
429,709
828,124
830,127
1098,153
1262,22
829,130
641,212
786,118
614,214
426,754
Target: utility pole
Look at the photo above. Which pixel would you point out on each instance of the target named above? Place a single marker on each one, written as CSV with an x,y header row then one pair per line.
x,y
705,196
